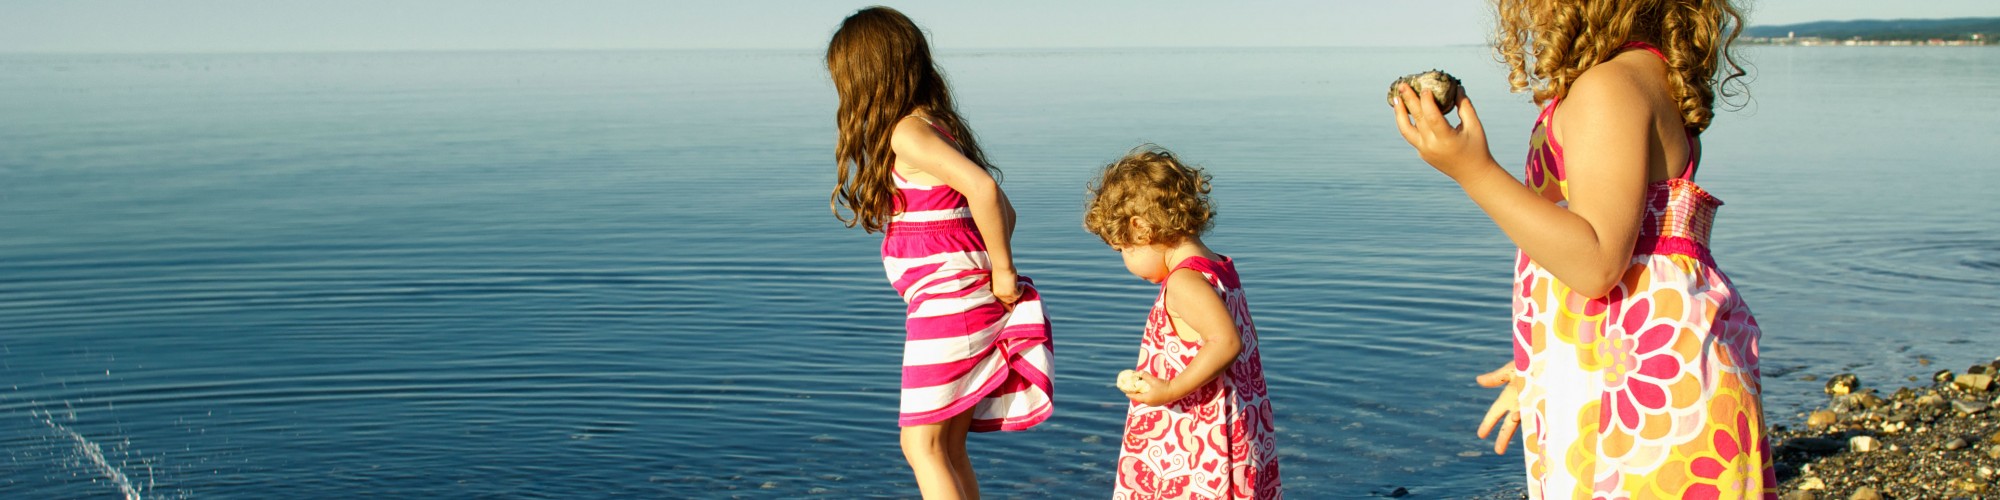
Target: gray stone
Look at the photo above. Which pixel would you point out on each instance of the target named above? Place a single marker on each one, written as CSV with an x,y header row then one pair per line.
x,y
1954,443
1968,407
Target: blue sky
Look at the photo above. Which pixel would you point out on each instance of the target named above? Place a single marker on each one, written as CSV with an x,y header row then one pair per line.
x,y
368,25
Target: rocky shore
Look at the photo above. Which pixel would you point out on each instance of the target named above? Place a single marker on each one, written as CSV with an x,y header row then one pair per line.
x,y
1936,441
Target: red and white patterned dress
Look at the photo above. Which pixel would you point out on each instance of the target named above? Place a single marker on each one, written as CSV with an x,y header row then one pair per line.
x,y
1217,441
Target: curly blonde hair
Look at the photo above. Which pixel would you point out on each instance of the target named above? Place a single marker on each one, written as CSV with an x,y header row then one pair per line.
x,y
1547,44
1151,184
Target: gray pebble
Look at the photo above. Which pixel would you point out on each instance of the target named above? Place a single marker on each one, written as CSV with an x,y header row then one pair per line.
x,y
1968,407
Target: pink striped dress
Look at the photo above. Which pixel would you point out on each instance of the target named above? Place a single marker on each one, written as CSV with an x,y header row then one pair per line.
x,y
964,349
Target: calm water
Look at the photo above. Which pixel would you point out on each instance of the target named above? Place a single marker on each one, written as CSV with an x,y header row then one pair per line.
x,y
612,274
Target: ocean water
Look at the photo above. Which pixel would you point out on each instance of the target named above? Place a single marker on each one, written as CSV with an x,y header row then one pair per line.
x,y
615,274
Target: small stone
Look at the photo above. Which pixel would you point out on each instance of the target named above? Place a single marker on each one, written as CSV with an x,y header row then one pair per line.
x,y
1954,444
1842,384
1811,483
1822,418
1968,407
769,485
1799,495
1970,485
1993,452
1865,493
1931,399
1399,493
1976,382
1979,370
1923,361
1808,377
1863,444
1941,376
1985,472
1993,439
1868,399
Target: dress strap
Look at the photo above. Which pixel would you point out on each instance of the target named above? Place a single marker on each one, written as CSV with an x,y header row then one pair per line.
x,y
941,130
1642,46
1197,263
1694,158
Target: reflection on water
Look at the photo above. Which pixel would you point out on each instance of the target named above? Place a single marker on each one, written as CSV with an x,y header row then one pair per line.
x,y
613,274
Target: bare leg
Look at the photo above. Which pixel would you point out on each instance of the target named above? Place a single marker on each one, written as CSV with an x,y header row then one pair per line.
x,y
930,459
961,463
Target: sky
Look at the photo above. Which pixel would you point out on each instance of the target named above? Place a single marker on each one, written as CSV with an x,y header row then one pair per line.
x,y
126,26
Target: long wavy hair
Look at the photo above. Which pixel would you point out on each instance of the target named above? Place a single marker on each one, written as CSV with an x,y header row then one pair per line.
x,y
1547,44
881,66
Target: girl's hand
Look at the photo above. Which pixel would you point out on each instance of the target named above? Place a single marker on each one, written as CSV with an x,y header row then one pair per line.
x,y
1450,149
1006,288
1155,393
1506,407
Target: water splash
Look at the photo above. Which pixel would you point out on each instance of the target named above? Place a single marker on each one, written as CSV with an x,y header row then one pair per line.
x,y
94,454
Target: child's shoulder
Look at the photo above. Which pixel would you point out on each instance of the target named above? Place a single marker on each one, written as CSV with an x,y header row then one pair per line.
x,y
1617,96
915,136
1629,80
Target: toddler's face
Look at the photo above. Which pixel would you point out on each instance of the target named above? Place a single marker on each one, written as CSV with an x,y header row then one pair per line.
x,y
1144,261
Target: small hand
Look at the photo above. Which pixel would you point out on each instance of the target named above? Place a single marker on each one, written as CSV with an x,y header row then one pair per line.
x,y
1507,406
1006,288
1444,146
1155,393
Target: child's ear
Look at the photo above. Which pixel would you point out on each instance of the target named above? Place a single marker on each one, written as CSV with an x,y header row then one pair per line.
x,y
1142,231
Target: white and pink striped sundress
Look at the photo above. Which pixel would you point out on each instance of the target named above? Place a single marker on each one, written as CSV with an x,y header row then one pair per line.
x,y
964,349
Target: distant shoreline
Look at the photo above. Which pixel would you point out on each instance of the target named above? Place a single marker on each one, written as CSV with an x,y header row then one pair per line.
x,y
1954,32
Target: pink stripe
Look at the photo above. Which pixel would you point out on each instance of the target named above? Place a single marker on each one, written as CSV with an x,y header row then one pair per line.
x,y
917,376
911,276
1670,245
953,325
968,289
958,224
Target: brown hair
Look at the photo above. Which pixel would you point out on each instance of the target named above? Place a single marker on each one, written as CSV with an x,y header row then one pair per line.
x,y
1149,183
1567,37
881,66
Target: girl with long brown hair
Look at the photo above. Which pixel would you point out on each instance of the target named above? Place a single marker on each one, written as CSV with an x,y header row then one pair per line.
x,y
1635,362
976,353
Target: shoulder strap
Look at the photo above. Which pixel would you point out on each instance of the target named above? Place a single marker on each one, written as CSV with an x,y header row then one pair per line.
x,y
946,133
1642,46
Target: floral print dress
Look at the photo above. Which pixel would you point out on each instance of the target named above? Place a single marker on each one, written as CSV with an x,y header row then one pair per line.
x,y
1652,390
1216,442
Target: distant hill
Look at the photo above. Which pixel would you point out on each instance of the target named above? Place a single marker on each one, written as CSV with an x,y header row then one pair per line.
x,y
1885,29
